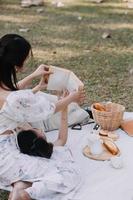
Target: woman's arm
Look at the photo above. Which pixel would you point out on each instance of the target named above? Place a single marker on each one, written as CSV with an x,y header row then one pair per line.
x,y
41,86
24,83
63,131
76,96
42,70
27,126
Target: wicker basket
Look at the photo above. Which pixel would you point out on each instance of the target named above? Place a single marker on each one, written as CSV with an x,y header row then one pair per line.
x,y
111,118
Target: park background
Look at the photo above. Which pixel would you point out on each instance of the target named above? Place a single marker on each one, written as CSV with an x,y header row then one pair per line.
x,y
93,39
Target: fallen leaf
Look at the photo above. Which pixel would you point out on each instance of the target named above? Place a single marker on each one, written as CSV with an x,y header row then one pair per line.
x,y
39,10
87,51
25,30
58,4
97,1
106,35
79,18
131,71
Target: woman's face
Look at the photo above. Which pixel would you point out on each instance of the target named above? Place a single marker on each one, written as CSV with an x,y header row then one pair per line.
x,y
22,68
40,133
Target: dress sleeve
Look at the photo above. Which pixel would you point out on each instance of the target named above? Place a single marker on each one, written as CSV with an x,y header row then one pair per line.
x,y
25,106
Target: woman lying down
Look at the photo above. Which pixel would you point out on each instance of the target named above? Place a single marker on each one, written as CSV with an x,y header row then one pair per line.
x,y
48,169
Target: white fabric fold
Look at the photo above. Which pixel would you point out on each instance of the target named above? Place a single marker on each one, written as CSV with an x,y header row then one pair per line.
x,y
25,106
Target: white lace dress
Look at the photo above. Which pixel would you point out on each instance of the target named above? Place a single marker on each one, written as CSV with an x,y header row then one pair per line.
x,y
55,178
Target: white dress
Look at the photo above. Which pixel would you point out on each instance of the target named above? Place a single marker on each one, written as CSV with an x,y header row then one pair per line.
x,y
55,178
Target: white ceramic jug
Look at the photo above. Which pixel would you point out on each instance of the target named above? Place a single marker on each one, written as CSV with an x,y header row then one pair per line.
x,y
95,144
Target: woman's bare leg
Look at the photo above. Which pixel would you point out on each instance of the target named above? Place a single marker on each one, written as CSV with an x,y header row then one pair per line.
x,y
18,192
10,196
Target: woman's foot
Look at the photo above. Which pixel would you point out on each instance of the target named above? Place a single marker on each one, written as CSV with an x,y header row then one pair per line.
x,y
18,192
10,196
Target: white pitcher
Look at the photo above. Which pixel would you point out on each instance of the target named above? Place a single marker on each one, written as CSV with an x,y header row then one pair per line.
x,y
95,144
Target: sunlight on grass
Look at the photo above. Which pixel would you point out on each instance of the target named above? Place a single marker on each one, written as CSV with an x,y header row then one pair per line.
x,y
118,51
20,19
113,4
59,52
108,4
112,26
119,11
12,7
59,37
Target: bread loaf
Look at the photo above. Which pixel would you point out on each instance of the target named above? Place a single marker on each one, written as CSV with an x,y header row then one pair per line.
x,y
111,147
103,132
109,134
99,107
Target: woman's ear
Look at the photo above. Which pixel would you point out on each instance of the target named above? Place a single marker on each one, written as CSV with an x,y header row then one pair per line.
x,y
19,69
16,69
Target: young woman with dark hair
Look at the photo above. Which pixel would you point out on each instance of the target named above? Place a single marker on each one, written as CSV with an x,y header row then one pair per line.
x,y
18,107
33,142
30,143
13,52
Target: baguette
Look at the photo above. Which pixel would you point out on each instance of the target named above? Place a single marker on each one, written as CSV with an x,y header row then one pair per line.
x,y
99,107
111,147
109,134
103,132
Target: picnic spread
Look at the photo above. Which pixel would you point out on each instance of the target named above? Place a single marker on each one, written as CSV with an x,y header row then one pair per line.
x,y
104,158
108,179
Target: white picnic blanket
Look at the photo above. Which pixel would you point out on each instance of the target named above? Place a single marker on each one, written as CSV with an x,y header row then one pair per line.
x,y
101,180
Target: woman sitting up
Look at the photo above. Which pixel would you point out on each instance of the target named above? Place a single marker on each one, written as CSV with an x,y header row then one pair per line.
x,y
34,142
61,166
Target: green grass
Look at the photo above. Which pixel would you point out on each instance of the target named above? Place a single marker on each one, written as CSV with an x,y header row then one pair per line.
x,y
59,38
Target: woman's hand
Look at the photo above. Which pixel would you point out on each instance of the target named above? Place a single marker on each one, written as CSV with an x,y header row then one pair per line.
x,y
78,96
42,70
65,93
42,85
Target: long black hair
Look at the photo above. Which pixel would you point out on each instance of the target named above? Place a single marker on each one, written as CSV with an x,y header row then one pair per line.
x,y
29,143
14,50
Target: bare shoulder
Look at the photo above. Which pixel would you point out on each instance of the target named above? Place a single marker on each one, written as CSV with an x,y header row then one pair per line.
x,y
3,96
